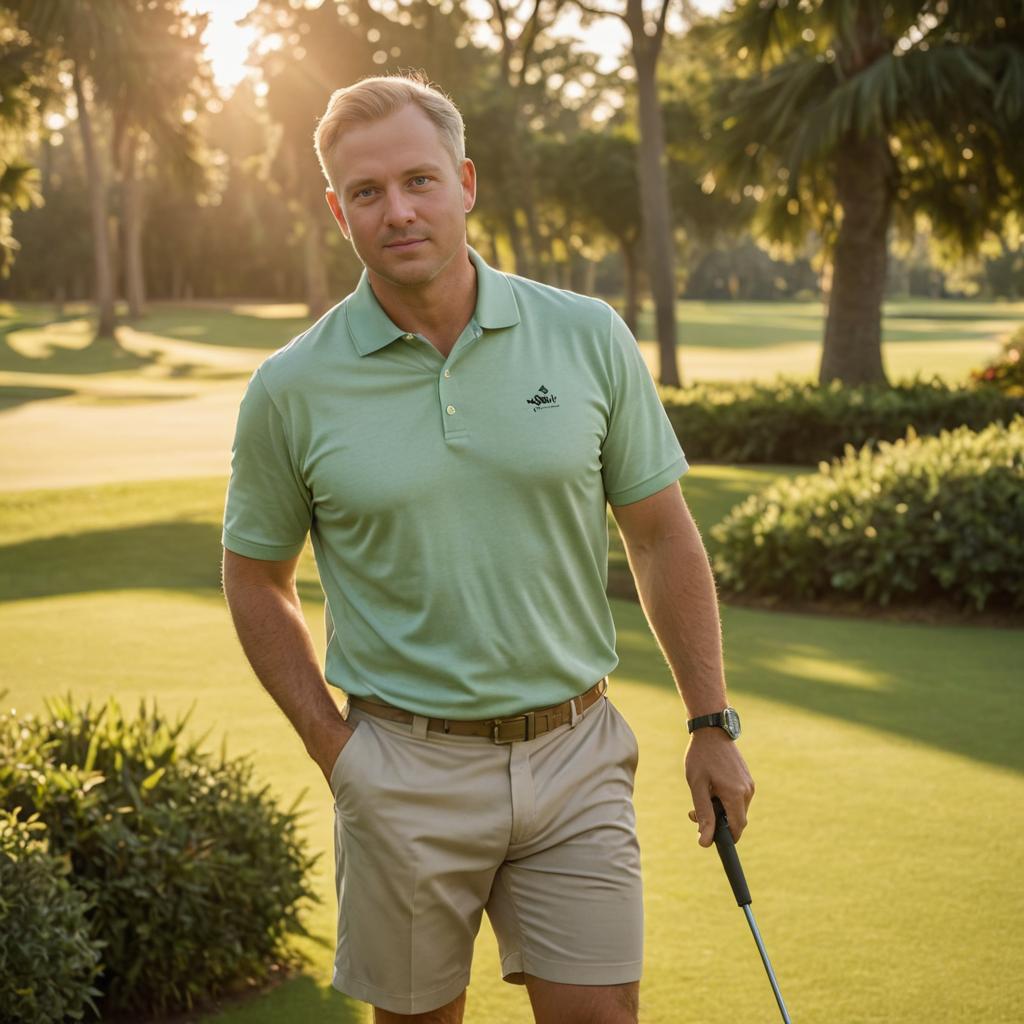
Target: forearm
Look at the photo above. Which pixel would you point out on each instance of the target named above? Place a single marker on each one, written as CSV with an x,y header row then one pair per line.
x,y
677,593
277,642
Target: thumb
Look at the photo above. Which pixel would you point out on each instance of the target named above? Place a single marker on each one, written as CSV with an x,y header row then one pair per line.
x,y
704,815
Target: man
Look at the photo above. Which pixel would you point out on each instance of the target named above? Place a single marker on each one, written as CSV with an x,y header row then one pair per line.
x,y
450,435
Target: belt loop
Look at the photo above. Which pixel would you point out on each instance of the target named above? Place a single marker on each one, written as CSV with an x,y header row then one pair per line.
x,y
574,715
419,726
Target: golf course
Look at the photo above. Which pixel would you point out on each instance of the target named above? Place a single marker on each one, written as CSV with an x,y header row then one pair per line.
x,y
883,844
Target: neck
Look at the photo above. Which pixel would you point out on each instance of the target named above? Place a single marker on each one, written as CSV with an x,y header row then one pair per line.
x,y
438,309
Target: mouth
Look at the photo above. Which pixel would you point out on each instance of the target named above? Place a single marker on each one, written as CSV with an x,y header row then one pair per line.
x,y
407,244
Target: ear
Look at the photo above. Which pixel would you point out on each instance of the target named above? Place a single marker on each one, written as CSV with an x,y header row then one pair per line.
x,y
468,179
335,204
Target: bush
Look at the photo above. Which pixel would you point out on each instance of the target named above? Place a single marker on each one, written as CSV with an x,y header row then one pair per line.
x,y
921,519
1006,371
802,423
195,877
48,959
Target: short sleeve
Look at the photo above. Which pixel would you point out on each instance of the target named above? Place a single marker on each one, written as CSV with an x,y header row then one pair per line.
x,y
268,510
641,453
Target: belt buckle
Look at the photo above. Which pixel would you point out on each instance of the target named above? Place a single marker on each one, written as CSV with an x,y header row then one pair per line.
x,y
529,728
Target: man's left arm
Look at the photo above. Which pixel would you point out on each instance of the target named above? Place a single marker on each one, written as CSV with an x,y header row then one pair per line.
x,y
677,593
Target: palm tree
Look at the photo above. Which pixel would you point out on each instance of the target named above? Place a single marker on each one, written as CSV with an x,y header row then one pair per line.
x,y
123,57
159,77
78,33
21,70
848,117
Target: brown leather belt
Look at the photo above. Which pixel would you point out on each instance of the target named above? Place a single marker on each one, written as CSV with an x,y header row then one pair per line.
x,y
500,730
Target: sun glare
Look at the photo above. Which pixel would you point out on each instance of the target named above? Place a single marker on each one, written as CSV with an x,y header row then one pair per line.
x,y
227,43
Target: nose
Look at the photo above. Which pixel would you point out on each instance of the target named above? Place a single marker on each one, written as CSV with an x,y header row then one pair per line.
x,y
397,207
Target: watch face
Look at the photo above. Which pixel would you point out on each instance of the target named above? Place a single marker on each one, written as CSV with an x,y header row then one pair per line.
x,y
731,722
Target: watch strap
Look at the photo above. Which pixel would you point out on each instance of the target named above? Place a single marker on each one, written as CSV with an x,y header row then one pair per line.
x,y
704,720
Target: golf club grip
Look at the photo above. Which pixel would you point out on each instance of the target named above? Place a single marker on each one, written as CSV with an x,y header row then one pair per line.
x,y
730,858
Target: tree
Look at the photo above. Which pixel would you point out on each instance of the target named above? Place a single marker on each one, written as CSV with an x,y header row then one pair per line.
x,y
159,80
122,57
77,32
595,179
849,117
21,71
647,35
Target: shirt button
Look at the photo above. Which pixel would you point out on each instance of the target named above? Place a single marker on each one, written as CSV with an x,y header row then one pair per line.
x,y
447,373
451,409
407,337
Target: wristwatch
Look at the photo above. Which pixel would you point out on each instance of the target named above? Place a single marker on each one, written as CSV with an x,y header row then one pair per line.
x,y
727,720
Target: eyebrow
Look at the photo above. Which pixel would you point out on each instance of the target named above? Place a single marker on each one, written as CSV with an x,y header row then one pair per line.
x,y
411,173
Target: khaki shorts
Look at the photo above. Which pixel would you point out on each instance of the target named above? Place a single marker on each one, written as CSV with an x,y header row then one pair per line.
x,y
432,830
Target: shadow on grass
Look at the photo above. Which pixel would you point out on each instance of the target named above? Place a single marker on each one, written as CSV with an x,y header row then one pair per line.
x,y
100,356
12,396
298,999
956,688
178,555
222,327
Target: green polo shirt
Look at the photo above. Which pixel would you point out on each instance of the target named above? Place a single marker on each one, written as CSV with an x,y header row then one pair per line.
x,y
457,506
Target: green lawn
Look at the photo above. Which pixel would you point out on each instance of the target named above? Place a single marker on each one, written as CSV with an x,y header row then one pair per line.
x,y
882,848
887,757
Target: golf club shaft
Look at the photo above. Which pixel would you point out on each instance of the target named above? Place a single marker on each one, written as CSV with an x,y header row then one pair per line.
x,y
767,963
726,847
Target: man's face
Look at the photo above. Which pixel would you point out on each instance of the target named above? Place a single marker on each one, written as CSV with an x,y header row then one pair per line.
x,y
400,199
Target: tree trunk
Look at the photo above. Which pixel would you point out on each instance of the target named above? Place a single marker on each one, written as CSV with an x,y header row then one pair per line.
x,y
131,222
100,215
541,271
515,237
628,250
317,297
852,351
656,207
492,238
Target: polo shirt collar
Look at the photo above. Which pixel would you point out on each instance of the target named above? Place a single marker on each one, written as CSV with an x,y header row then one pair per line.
x,y
371,328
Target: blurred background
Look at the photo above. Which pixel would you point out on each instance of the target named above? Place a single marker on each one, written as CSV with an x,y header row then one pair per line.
x,y
809,212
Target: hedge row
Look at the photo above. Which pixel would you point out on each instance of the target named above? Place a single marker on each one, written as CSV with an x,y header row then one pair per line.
x,y
796,422
193,878
919,519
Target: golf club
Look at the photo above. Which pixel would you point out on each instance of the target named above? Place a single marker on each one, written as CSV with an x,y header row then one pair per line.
x,y
731,862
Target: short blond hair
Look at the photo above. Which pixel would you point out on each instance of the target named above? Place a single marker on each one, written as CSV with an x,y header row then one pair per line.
x,y
379,96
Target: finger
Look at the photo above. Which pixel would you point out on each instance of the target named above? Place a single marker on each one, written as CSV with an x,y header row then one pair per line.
x,y
693,816
705,817
736,812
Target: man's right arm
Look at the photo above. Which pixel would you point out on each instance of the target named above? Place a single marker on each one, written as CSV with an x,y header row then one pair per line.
x,y
267,614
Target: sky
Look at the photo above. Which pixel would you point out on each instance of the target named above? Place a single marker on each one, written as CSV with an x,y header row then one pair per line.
x,y
227,43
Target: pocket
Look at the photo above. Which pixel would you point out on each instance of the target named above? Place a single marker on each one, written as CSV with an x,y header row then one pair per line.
x,y
343,758
629,735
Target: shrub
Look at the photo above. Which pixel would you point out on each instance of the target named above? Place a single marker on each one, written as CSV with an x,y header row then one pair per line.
x,y
1006,371
48,958
921,519
795,422
195,876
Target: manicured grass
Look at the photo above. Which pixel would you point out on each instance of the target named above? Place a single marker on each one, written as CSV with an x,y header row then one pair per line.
x,y
882,846
883,837
74,415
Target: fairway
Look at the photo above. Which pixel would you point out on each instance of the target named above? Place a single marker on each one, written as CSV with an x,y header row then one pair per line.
x,y
887,760
167,410
882,851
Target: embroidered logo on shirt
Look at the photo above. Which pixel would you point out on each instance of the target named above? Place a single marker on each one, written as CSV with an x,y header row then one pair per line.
x,y
543,399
